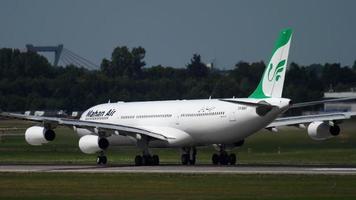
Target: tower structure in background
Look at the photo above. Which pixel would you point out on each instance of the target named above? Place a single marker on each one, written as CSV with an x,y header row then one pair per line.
x,y
63,56
56,49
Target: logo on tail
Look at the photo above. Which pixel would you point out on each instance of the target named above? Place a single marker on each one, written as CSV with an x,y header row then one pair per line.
x,y
277,70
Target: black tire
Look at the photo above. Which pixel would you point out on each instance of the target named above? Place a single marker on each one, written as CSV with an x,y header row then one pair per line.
x,y
138,160
185,159
232,159
147,160
224,158
155,160
215,159
192,161
104,160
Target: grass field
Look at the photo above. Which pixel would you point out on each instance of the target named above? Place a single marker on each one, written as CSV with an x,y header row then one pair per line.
x,y
288,146
174,186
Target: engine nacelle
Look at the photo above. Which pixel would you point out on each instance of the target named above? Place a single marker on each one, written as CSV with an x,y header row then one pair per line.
x,y
322,130
38,135
90,144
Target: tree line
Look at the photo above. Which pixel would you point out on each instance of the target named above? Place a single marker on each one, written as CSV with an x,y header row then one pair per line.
x,y
29,82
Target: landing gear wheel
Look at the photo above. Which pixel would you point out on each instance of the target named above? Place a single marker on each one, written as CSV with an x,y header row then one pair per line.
x,y
101,160
147,160
185,159
189,155
192,161
98,160
193,156
232,159
224,158
138,160
155,160
215,159
104,160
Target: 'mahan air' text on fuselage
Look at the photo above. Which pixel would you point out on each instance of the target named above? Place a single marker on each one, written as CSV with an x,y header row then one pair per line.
x,y
100,114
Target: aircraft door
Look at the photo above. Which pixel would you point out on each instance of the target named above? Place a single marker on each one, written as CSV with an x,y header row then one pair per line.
x,y
232,116
176,120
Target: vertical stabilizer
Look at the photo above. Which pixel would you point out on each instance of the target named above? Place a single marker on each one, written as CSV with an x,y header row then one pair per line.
x,y
271,84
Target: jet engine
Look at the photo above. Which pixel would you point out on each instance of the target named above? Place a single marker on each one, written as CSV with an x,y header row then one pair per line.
x,y
90,144
38,135
322,130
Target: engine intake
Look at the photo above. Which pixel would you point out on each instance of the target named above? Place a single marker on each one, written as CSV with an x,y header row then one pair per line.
x,y
49,135
38,135
90,144
322,130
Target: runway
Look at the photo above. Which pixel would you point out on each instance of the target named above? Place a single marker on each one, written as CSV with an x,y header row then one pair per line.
x,y
197,169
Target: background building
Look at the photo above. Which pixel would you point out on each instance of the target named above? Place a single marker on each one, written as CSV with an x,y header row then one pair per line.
x,y
340,106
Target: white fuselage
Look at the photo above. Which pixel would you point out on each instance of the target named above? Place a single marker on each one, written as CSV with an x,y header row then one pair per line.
x,y
209,121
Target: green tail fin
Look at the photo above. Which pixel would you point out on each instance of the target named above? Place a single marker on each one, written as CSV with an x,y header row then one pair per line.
x,y
271,84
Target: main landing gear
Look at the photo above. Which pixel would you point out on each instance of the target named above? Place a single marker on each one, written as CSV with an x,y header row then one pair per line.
x,y
188,156
224,158
146,160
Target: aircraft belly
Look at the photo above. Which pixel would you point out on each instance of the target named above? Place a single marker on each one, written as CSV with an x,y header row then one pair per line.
x,y
226,131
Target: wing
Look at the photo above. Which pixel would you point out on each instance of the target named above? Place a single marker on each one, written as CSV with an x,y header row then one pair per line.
x,y
96,126
305,119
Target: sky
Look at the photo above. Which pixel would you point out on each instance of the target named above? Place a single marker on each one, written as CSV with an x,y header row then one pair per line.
x,y
224,31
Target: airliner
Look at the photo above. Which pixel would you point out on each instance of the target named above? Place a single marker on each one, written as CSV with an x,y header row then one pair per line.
x,y
188,124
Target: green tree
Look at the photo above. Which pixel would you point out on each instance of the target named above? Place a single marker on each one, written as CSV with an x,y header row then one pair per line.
x,y
354,66
29,81
196,68
125,62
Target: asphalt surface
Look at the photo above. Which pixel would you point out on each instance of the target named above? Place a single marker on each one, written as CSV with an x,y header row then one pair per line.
x,y
197,169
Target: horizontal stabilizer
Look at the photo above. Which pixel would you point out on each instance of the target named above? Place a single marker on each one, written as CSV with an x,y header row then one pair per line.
x,y
246,103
